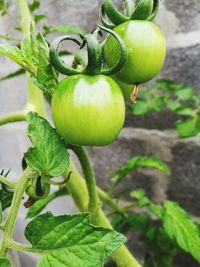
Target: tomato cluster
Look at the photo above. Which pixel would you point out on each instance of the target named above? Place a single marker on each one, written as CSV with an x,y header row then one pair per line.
x,y
88,107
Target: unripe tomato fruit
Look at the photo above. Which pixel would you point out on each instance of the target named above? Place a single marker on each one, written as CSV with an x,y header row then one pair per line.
x,y
126,88
146,51
88,110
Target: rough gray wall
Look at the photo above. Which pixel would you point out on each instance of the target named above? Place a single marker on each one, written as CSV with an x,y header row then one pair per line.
x,y
180,22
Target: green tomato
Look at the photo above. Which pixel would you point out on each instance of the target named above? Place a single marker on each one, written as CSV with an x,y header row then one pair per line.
x,y
88,110
146,51
126,88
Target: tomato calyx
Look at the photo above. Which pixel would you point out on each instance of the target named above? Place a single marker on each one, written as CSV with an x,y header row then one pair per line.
x,y
140,10
95,64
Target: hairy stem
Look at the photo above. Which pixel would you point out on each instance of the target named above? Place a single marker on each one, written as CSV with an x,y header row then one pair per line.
x,y
13,117
7,181
78,190
11,219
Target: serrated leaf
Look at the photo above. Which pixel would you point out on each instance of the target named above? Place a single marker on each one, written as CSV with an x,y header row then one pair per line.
x,y
49,155
5,263
139,162
40,204
188,128
181,228
5,198
71,241
12,52
46,75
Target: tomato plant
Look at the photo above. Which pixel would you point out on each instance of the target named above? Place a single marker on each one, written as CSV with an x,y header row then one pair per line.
x,y
88,108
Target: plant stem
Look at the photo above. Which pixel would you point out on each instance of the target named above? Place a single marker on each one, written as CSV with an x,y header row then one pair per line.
x,y
88,173
26,19
35,95
22,247
78,190
13,117
109,201
17,198
7,181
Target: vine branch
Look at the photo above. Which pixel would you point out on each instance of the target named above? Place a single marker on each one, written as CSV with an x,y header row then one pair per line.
x,y
13,117
16,201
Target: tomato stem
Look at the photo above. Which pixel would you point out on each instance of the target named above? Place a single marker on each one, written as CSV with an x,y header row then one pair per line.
x,y
13,117
134,93
7,181
94,203
16,201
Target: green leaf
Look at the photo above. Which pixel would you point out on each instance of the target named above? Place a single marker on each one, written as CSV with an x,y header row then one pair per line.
x,y
5,263
188,128
39,17
185,94
181,228
65,28
140,195
12,74
12,52
144,201
185,111
140,108
147,104
49,155
34,5
70,240
46,75
173,105
3,7
5,198
139,162
170,85
139,222
40,204
28,53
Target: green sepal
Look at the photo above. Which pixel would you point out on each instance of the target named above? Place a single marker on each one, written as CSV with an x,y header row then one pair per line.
x,y
105,20
124,54
94,55
156,5
57,61
143,10
113,14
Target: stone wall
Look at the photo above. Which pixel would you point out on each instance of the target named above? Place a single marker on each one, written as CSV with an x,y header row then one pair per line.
x,y
180,22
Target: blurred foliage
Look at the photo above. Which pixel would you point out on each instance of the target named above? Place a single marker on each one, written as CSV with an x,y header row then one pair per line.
x,y
176,97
